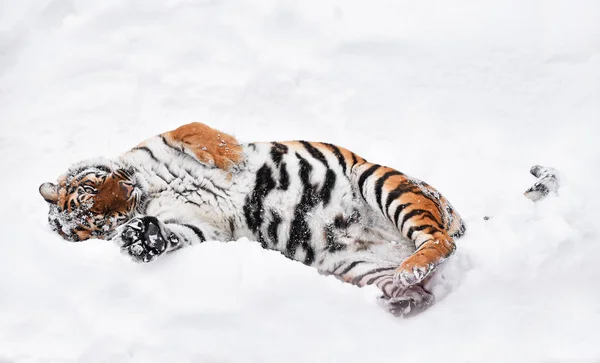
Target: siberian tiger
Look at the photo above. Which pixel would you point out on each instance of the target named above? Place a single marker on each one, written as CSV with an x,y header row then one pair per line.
x,y
315,202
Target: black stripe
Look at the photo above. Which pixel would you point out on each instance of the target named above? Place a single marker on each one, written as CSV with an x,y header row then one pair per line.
x,y
150,153
277,152
203,188
338,154
363,178
272,229
179,151
332,245
284,177
300,233
328,186
379,187
399,210
341,222
386,284
309,258
373,279
314,152
349,267
197,231
354,160
436,199
186,200
231,226
119,174
173,175
413,229
82,176
414,213
357,279
253,207
398,191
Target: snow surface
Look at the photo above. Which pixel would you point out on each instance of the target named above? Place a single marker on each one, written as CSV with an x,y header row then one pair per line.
x,y
466,95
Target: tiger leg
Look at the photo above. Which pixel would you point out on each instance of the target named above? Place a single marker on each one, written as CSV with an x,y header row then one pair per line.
x,y
419,212
145,238
364,268
422,222
432,250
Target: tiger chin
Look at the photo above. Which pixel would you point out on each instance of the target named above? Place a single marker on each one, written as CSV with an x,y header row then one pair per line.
x,y
316,203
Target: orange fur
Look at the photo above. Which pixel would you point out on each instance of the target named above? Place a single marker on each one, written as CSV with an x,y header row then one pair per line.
x,y
431,254
423,218
439,245
210,146
347,154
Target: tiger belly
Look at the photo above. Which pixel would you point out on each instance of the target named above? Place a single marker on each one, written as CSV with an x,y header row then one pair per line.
x,y
305,207
287,196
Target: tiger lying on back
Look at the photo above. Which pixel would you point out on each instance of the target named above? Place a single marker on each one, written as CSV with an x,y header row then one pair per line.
x,y
316,203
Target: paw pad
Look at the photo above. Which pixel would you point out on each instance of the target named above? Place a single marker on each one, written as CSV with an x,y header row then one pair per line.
x,y
143,240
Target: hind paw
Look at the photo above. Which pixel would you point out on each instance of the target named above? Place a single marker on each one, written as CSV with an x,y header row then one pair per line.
x,y
413,270
410,302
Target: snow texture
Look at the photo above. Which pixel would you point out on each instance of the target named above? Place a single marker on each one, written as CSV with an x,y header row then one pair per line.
x,y
466,95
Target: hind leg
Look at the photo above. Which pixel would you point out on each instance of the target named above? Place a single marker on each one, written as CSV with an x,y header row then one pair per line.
x,y
376,265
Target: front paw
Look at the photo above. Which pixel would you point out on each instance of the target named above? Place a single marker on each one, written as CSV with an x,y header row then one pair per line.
x,y
413,270
143,239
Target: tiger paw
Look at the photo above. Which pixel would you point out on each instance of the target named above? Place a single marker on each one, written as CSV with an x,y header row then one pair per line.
x,y
412,301
548,182
143,239
412,271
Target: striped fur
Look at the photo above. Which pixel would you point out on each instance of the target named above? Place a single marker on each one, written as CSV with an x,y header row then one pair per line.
x,y
316,203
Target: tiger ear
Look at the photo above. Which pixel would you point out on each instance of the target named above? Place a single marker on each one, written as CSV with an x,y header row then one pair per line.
x,y
50,192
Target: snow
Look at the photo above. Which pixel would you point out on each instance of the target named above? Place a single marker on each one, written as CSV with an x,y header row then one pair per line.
x,y
466,95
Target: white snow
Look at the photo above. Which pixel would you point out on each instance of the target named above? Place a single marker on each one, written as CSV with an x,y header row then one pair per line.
x,y
466,95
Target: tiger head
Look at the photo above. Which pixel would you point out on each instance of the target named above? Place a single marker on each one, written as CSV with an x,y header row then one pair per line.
x,y
92,199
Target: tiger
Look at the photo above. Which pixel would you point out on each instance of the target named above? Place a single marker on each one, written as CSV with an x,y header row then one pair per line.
x,y
314,202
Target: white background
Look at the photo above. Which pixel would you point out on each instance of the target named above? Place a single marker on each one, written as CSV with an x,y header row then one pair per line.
x,y
466,95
